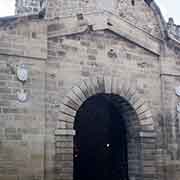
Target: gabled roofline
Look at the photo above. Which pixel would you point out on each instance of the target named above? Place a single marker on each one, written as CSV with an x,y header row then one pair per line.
x,y
105,20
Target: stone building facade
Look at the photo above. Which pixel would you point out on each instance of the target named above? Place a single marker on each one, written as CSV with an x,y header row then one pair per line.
x,y
71,51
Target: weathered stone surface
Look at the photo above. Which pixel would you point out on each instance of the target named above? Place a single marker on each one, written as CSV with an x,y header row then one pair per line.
x,y
80,49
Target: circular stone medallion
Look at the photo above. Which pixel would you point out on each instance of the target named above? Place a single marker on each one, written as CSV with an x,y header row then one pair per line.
x,y
22,95
22,73
178,91
178,107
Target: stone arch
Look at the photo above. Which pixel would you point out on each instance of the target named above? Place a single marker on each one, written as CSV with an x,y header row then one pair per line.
x,y
79,94
89,87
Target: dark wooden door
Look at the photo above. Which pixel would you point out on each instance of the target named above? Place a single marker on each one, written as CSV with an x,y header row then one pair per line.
x,y
100,145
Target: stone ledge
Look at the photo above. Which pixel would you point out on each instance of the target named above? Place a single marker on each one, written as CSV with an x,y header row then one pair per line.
x,y
147,134
65,132
173,162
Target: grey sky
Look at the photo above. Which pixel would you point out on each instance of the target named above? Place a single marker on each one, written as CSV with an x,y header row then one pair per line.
x,y
169,8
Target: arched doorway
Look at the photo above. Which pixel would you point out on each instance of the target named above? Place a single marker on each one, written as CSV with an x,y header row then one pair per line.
x,y
101,140
130,106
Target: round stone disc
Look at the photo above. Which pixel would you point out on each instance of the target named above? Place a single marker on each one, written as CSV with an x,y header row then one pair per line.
x,y
22,73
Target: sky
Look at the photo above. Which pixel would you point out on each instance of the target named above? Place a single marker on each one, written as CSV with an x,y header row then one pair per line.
x,y
169,8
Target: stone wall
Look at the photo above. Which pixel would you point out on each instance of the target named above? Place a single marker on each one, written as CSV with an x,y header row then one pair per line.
x,y
139,13
73,58
170,81
22,123
79,40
